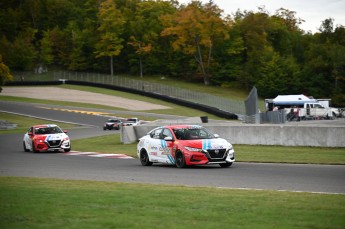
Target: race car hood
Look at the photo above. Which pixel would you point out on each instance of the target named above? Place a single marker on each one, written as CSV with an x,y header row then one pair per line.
x,y
208,144
51,137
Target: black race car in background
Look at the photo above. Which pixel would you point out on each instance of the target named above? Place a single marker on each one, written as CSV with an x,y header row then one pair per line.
x,y
112,124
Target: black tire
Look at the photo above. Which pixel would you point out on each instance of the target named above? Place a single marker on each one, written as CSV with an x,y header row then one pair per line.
x,y
180,161
67,150
225,165
34,148
144,158
334,115
104,128
24,146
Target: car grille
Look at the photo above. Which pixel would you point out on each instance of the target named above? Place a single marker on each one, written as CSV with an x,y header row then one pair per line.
x,y
216,154
54,143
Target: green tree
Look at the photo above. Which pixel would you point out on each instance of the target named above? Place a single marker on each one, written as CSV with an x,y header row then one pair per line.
x,y
324,67
110,29
145,28
45,53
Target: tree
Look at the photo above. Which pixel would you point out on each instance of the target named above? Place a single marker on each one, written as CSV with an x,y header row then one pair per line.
x,y
143,29
111,27
194,29
4,73
324,68
22,53
45,56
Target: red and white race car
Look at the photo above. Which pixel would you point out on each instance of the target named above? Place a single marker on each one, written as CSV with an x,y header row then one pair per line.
x,y
184,145
47,137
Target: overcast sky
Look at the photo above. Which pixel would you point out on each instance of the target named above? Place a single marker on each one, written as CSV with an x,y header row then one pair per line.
x,y
313,12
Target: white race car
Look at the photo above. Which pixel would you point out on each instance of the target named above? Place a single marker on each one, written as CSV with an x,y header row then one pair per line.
x,y
184,145
47,137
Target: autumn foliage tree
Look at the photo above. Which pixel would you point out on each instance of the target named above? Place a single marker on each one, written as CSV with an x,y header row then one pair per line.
x,y
5,74
194,29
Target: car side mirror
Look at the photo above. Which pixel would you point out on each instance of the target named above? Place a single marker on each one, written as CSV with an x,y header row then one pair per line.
x,y
30,133
168,139
65,131
216,135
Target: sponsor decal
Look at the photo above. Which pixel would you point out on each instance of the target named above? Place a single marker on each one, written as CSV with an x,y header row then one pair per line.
x,y
211,144
165,150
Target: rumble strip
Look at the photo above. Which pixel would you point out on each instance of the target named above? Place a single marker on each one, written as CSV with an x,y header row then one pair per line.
x,y
94,154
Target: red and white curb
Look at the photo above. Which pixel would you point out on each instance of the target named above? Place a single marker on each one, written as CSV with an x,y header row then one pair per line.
x,y
94,154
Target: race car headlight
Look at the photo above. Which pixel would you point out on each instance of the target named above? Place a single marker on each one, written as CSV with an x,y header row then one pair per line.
x,y
191,149
65,139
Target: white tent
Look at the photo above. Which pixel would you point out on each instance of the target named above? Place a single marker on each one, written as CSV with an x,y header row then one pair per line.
x,y
292,100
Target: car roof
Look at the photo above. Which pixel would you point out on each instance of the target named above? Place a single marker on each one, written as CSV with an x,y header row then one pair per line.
x,y
44,125
182,126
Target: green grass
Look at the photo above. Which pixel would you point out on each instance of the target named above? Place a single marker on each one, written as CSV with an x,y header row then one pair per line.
x,y
51,203
234,91
290,154
23,123
104,144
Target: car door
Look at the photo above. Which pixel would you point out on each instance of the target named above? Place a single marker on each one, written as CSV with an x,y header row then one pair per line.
x,y
154,145
166,151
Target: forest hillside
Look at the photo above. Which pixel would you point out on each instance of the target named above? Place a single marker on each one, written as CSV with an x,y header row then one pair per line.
x,y
194,42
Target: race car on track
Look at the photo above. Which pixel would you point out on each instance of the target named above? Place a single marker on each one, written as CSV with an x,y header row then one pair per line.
x,y
131,122
112,124
184,145
46,137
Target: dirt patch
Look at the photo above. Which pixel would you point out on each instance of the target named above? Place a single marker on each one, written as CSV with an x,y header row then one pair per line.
x,y
70,95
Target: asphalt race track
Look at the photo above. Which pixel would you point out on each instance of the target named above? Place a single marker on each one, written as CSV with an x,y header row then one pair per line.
x,y
15,162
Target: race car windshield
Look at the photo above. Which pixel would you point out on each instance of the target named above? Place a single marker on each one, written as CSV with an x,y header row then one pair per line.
x,y
192,133
48,130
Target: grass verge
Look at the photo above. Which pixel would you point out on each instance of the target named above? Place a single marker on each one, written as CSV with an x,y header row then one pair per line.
x,y
51,203
23,123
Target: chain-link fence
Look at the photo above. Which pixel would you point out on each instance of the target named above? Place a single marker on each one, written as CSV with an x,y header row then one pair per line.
x,y
224,104
221,103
